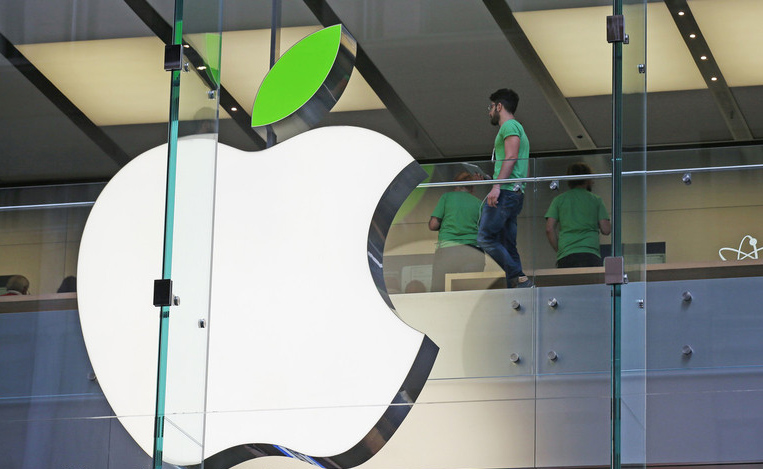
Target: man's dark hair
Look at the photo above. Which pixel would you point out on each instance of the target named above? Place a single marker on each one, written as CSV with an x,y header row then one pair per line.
x,y
578,169
508,98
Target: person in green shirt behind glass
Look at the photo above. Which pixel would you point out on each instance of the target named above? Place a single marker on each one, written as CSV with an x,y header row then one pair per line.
x,y
580,216
498,225
456,218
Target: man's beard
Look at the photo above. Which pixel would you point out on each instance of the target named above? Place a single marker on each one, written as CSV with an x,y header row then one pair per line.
x,y
494,119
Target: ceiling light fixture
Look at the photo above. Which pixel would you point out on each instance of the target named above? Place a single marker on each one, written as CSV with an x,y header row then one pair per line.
x,y
703,57
186,46
714,78
201,67
234,109
680,13
692,35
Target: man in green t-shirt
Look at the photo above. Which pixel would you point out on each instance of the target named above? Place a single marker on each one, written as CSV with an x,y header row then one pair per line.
x,y
456,217
498,225
580,216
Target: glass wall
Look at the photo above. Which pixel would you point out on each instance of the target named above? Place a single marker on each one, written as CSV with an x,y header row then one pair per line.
x,y
523,377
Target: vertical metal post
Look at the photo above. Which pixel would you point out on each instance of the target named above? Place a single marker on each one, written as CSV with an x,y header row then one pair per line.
x,y
617,248
275,52
169,218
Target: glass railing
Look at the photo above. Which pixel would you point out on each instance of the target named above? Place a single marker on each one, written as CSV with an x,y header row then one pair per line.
x,y
701,221
511,352
412,245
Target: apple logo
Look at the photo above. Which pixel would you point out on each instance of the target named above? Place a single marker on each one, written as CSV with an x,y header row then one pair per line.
x,y
301,354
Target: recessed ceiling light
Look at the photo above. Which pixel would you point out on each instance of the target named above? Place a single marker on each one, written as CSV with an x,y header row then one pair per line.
x,y
703,57
680,13
234,109
201,67
714,78
186,46
692,35
143,89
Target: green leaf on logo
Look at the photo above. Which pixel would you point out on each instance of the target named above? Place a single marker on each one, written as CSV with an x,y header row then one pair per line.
x,y
314,67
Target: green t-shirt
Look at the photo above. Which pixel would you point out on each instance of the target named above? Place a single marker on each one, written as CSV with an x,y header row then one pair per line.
x,y
459,213
578,212
509,128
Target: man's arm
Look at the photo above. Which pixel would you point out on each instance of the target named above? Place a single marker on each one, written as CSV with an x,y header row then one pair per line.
x,y
511,148
551,233
605,227
434,223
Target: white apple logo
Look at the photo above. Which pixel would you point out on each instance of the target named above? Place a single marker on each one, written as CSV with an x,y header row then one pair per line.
x,y
305,358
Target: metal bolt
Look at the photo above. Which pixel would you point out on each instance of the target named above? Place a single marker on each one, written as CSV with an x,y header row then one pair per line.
x,y
552,302
686,178
641,303
211,94
686,350
186,66
514,357
554,185
91,376
553,356
202,323
176,300
686,296
515,305
642,68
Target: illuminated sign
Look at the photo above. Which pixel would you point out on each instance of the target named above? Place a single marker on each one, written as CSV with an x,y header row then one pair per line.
x,y
305,356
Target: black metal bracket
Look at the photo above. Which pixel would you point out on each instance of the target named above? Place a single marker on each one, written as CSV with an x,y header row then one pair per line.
x,y
173,57
616,29
163,292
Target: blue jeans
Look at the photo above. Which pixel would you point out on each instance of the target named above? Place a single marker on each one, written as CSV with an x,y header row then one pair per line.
x,y
498,232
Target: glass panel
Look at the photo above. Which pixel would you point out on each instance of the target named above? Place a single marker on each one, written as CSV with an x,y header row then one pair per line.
x,y
701,323
52,409
79,101
630,331
686,186
476,336
572,304
192,188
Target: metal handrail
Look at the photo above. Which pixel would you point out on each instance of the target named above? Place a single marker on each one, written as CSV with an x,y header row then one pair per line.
x,y
9,208
656,172
484,182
